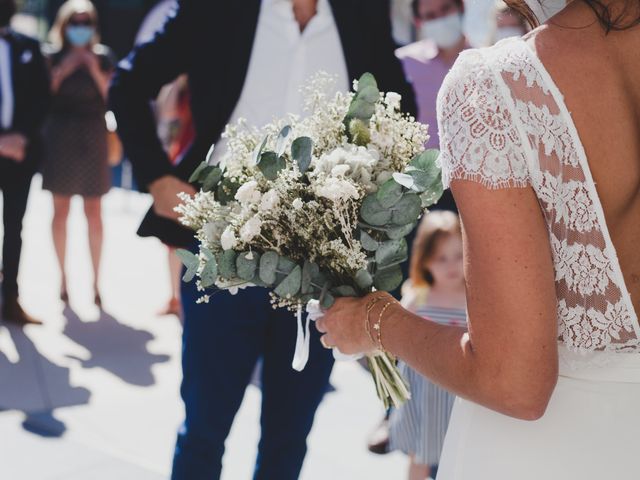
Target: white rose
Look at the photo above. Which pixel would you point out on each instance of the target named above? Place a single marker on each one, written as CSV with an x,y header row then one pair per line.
x,y
248,193
340,170
270,200
392,99
228,239
250,229
297,204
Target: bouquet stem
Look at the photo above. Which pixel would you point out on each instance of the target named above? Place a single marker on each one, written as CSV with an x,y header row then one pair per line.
x,y
392,389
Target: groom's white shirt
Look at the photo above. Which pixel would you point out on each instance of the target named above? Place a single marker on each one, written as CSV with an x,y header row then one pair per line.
x,y
282,61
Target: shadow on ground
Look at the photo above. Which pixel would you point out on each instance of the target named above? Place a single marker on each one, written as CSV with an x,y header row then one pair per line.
x,y
118,348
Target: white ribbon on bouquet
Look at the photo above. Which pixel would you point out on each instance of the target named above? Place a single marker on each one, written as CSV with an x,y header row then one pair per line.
x,y
301,355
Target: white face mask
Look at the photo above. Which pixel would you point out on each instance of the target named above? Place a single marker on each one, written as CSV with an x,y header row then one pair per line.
x,y
507,32
545,9
444,31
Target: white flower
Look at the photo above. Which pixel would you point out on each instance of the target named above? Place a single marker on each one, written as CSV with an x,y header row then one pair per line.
x,y
392,99
228,239
297,204
270,200
213,231
248,193
336,189
250,229
340,170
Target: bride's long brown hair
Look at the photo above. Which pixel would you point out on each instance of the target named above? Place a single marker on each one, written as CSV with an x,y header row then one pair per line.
x,y
610,19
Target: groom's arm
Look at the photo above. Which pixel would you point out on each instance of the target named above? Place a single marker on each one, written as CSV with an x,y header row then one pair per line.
x,y
137,81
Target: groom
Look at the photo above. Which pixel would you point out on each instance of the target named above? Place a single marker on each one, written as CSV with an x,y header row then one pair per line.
x,y
244,59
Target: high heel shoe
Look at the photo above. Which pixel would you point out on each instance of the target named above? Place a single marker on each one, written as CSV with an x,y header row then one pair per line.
x,y
97,300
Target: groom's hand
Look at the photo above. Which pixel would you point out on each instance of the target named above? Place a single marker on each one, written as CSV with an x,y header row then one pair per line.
x,y
165,192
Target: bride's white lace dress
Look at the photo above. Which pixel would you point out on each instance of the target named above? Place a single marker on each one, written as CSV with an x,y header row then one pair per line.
x,y
504,123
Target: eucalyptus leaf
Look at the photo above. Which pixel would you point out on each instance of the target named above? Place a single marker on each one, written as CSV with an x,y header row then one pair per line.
x,y
290,286
365,80
195,176
327,300
247,264
368,242
364,280
301,152
285,265
270,164
432,195
191,263
361,109
209,157
426,161
209,273
368,93
309,271
373,212
388,279
407,210
389,193
404,179
391,252
344,291
212,179
281,143
227,264
257,152
268,267
396,233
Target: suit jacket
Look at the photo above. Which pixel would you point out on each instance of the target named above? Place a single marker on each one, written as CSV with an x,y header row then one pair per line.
x,y
31,92
212,43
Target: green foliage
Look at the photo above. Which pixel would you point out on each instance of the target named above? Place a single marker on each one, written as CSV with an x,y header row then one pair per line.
x,y
388,279
301,152
190,261
290,286
247,264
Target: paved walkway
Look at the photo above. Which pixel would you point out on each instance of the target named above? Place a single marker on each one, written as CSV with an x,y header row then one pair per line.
x,y
91,396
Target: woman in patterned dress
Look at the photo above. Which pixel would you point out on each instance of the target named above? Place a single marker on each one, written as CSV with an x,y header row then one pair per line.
x,y
435,290
75,133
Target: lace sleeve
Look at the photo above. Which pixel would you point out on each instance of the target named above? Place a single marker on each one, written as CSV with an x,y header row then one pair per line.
x,y
479,139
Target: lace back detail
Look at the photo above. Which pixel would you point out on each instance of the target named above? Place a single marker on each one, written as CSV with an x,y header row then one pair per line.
x,y
503,124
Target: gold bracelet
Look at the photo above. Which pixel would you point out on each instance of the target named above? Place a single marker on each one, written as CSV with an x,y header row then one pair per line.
x,y
367,318
378,326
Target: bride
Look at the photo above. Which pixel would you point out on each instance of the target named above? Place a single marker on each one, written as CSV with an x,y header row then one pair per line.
x,y
540,141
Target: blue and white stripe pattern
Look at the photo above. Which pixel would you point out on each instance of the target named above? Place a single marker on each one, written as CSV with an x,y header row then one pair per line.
x,y
418,427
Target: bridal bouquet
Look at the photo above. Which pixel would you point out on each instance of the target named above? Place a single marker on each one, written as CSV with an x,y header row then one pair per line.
x,y
315,208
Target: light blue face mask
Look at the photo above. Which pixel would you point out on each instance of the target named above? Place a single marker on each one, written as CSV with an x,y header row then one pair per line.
x,y
79,35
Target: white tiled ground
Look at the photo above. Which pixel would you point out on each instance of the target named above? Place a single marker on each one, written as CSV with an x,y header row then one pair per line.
x,y
92,398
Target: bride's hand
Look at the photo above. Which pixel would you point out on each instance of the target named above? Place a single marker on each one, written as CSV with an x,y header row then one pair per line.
x,y
344,326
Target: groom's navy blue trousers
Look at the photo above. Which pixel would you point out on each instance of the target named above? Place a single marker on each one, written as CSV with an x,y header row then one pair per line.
x,y
222,341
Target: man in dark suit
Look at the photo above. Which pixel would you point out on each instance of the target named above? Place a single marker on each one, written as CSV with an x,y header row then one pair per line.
x,y
241,58
24,98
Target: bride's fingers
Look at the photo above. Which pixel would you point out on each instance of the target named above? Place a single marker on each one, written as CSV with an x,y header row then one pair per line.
x,y
321,325
326,342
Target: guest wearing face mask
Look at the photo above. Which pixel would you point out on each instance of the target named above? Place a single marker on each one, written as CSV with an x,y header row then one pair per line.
x,y
24,98
75,133
427,61
509,23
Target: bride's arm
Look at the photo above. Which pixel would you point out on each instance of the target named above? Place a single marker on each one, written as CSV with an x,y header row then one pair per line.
x,y
508,359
